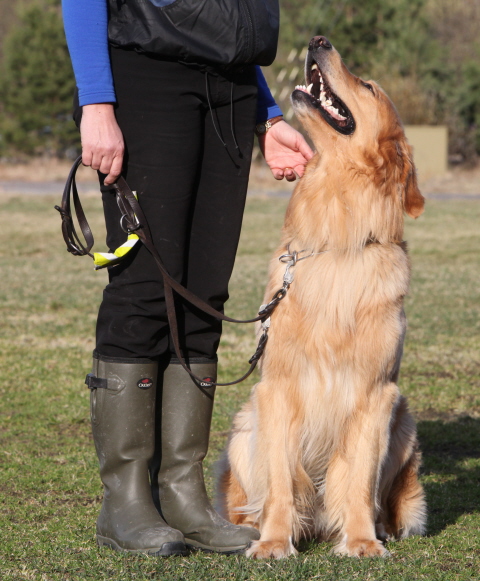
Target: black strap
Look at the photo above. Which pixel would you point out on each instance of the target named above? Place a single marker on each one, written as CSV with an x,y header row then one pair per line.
x,y
94,382
134,220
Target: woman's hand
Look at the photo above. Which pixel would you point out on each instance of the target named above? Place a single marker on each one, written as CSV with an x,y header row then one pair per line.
x,y
102,140
285,151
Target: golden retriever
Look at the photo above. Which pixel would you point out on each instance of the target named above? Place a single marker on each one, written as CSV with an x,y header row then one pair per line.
x,y
326,446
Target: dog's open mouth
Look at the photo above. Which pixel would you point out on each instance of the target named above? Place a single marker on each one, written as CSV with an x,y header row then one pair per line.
x,y
321,96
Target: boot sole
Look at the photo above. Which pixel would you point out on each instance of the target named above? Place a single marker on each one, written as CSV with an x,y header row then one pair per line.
x,y
166,550
196,546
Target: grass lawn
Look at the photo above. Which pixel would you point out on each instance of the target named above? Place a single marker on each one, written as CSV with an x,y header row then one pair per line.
x,y
50,491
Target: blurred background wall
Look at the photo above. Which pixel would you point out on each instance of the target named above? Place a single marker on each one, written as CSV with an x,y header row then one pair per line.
x,y
425,53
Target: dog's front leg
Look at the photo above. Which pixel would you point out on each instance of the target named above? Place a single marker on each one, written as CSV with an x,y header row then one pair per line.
x,y
351,494
276,455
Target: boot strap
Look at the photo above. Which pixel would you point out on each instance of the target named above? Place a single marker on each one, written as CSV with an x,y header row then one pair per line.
x,y
93,382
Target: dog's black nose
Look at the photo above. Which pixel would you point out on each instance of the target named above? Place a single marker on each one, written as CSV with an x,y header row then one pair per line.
x,y
320,41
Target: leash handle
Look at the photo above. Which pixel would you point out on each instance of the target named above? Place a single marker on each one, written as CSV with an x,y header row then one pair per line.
x,y
72,240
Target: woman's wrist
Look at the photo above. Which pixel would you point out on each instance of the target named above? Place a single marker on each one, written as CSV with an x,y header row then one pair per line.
x,y
264,126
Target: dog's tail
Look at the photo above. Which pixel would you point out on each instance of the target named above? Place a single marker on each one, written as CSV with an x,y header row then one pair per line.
x,y
406,506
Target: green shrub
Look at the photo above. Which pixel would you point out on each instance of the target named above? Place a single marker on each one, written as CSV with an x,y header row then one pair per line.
x,y
37,85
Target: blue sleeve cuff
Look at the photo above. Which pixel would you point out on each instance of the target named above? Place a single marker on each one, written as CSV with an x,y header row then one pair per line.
x,y
91,98
86,29
266,105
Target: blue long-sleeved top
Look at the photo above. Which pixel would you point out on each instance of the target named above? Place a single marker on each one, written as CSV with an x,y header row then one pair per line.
x,y
86,29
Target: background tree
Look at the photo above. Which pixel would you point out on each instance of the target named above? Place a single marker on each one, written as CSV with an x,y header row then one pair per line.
x,y
8,18
453,82
37,84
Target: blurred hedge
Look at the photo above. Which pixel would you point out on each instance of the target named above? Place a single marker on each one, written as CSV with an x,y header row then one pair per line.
x,y
425,53
36,85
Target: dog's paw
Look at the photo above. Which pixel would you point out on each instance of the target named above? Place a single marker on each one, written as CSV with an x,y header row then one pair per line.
x,y
361,548
271,549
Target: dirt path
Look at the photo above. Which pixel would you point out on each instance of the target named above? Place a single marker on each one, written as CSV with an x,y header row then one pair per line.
x,y
48,177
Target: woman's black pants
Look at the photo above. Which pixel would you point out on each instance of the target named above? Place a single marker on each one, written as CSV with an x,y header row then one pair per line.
x,y
188,134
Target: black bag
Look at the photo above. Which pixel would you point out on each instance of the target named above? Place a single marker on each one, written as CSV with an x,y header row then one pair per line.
x,y
217,32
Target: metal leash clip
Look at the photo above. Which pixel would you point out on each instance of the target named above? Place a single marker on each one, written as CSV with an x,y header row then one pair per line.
x,y
128,222
288,276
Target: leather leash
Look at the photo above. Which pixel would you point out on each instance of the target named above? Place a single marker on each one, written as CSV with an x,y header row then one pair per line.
x,y
134,221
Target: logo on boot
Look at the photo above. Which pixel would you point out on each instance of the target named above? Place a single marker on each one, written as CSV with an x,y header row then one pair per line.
x,y
207,382
145,383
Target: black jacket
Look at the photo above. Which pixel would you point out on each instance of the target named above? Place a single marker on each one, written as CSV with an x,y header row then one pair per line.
x,y
218,32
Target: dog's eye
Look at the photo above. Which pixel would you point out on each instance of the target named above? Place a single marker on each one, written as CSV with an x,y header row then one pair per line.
x,y
369,87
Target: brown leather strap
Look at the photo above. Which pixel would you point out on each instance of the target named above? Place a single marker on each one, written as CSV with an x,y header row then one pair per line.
x,y
73,242
133,210
134,220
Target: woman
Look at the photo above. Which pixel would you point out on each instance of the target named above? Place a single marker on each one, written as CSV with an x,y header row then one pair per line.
x,y
170,99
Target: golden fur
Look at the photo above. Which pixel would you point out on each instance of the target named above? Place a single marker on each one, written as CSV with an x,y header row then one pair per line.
x,y
326,446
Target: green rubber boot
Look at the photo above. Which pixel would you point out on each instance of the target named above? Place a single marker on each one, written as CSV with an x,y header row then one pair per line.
x,y
122,407
185,414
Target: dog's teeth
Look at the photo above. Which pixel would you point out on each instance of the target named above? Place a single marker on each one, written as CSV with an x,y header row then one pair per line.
x,y
322,97
334,113
314,67
328,103
309,88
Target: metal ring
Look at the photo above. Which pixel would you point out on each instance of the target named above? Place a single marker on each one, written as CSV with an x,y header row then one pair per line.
x,y
125,229
285,258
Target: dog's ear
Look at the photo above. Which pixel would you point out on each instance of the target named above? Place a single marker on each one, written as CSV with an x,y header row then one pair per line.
x,y
399,171
413,201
